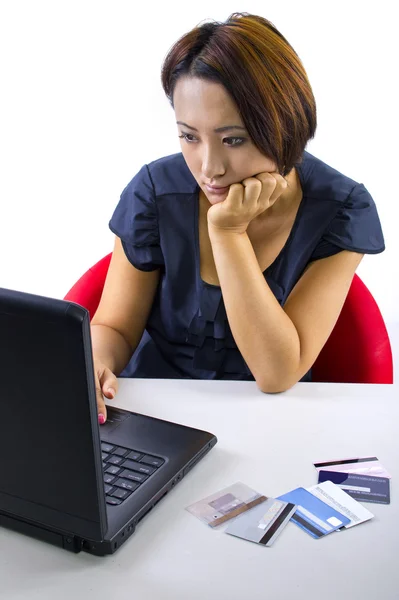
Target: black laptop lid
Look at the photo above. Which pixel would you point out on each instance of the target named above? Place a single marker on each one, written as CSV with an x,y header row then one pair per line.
x,y
50,459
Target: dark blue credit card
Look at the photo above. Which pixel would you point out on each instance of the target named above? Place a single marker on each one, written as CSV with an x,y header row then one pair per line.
x,y
361,487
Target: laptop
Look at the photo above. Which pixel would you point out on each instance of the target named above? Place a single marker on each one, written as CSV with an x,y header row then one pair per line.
x,y
64,478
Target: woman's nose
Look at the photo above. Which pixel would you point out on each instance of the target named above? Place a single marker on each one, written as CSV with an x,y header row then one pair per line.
x,y
213,166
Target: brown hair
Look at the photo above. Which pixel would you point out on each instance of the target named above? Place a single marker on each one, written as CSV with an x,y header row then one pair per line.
x,y
262,73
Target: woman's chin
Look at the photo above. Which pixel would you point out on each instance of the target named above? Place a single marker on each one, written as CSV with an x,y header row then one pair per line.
x,y
218,200
215,198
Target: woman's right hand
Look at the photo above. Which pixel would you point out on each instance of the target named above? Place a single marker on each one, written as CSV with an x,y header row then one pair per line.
x,y
106,385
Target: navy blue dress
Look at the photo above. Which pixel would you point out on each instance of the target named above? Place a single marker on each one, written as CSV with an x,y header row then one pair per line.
x,y
187,333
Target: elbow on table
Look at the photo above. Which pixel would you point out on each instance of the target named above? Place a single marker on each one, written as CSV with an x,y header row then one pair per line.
x,y
270,386
281,376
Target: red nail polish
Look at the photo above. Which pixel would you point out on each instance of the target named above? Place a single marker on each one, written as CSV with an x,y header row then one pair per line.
x,y
101,419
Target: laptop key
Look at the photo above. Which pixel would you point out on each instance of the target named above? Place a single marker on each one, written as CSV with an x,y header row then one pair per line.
x,y
113,501
106,447
108,488
134,455
122,494
108,478
126,484
152,461
120,451
114,460
104,456
113,469
135,466
133,476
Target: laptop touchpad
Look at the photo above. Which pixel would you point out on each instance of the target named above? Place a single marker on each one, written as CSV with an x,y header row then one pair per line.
x,y
115,417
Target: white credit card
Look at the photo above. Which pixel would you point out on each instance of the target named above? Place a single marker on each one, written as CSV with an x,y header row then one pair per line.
x,y
335,497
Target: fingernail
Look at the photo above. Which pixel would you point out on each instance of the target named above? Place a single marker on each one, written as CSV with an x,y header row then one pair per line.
x,y
101,419
111,391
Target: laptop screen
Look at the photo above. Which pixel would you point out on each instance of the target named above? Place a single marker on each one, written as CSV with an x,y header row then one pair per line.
x,y
50,459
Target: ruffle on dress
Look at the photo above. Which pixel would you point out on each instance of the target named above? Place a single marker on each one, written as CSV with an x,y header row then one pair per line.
x,y
209,332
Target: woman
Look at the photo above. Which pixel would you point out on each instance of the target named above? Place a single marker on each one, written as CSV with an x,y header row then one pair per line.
x,y
233,258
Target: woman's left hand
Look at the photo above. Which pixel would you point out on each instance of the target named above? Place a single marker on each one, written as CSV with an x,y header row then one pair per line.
x,y
245,201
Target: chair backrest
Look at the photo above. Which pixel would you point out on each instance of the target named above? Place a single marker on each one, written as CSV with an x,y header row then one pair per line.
x,y
88,289
357,351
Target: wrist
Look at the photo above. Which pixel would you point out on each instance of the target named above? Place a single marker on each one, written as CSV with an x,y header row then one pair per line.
x,y
216,232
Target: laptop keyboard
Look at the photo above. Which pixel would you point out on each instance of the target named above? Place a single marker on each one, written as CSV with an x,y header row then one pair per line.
x,y
125,470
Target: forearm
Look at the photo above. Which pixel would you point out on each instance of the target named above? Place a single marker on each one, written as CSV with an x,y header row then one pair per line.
x,y
110,348
263,332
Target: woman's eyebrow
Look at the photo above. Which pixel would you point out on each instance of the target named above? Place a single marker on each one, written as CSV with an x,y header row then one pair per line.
x,y
218,130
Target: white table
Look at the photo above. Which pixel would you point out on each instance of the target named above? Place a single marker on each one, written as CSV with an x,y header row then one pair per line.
x,y
268,442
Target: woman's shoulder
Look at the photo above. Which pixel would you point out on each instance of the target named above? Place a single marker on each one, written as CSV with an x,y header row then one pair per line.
x,y
341,213
170,175
320,180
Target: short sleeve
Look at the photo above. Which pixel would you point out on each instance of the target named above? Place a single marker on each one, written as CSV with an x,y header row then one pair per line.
x,y
356,226
135,222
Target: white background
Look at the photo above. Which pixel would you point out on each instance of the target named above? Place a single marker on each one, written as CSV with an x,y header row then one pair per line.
x,y
82,109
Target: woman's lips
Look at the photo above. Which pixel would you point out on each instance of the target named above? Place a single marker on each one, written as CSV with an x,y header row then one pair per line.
x,y
217,191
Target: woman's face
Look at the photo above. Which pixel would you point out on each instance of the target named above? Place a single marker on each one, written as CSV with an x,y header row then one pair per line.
x,y
214,156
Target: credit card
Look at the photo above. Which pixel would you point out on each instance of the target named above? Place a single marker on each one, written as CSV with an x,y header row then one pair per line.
x,y
264,523
366,465
313,515
360,487
226,504
334,496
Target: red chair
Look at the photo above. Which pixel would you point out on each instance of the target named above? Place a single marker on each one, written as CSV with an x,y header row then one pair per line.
x,y
88,289
357,351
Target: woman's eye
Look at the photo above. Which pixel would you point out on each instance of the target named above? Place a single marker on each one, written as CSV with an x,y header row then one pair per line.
x,y
185,136
236,141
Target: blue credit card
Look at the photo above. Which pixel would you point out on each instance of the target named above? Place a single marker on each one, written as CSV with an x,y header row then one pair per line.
x,y
361,487
313,515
